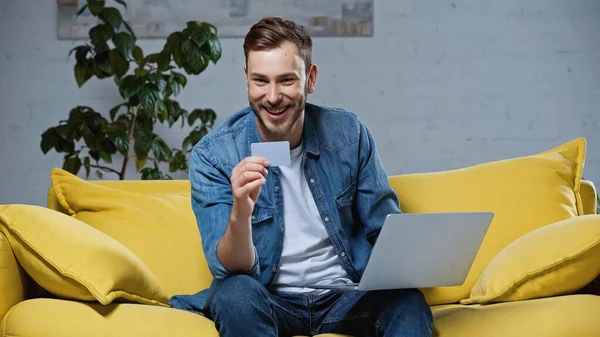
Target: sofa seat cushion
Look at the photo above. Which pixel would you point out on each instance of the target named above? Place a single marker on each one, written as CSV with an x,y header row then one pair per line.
x,y
573,316
53,318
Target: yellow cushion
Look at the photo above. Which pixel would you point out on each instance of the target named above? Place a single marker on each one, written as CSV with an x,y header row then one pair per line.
x,y
159,228
561,316
12,277
525,193
45,317
553,260
73,260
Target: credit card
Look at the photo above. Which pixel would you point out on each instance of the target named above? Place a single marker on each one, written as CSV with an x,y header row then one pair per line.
x,y
277,153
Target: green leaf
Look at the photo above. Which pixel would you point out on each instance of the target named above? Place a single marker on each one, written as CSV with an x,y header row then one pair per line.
x,y
115,109
174,85
178,56
214,49
131,85
72,165
194,137
99,174
198,34
48,138
86,164
160,149
96,6
129,29
180,78
212,29
124,43
138,54
80,53
174,111
208,116
159,81
106,157
178,162
173,41
193,116
119,138
111,16
152,58
118,62
103,64
82,9
196,60
81,74
122,3
140,162
148,97
163,116
101,33
140,72
187,141
164,58
142,145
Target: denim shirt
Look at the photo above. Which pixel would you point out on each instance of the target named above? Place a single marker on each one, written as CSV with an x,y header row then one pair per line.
x,y
344,173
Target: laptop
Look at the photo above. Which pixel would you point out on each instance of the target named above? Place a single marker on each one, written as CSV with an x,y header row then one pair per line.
x,y
421,250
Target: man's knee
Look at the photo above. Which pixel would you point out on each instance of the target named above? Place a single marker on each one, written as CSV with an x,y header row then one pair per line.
x,y
237,291
411,302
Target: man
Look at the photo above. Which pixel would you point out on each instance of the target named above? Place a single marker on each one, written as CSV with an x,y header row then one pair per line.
x,y
267,231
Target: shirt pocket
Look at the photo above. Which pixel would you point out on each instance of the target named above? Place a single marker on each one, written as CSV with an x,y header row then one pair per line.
x,y
346,197
261,213
262,219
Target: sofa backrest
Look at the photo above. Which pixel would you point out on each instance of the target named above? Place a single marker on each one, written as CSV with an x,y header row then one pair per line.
x,y
588,191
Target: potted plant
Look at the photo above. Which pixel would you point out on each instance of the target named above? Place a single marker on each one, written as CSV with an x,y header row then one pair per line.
x,y
148,84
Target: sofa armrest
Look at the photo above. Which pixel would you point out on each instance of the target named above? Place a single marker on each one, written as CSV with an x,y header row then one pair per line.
x,y
589,197
13,279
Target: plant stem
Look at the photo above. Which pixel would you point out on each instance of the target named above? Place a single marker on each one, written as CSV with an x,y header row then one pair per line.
x,y
104,168
126,159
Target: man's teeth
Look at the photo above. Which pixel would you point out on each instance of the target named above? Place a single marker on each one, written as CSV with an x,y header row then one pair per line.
x,y
275,112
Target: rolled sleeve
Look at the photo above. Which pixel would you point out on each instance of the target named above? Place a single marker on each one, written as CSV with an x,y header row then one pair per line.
x,y
375,197
212,201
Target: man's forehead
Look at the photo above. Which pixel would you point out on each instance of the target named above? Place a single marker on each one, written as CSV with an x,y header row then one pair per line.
x,y
285,56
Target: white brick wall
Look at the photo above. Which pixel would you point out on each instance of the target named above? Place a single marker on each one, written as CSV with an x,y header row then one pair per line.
x,y
441,85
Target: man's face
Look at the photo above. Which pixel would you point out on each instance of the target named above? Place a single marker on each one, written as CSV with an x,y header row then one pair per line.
x,y
277,89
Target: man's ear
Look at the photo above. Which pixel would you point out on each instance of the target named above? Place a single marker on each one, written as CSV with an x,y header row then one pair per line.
x,y
246,75
312,78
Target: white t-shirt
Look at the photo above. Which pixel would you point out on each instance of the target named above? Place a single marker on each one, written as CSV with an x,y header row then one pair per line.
x,y
308,255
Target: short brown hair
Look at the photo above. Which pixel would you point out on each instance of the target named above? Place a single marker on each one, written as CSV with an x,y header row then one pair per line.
x,y
271,32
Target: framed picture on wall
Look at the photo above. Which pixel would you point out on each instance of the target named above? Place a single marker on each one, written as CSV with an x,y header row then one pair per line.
x,y
233,18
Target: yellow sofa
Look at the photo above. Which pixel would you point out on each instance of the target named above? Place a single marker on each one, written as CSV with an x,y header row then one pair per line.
x,y
104,257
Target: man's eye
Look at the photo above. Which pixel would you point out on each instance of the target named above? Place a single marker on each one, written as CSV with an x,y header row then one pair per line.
x,y
287,80
260,80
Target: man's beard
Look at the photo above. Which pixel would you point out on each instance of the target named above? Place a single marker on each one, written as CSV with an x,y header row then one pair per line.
x,y
279,130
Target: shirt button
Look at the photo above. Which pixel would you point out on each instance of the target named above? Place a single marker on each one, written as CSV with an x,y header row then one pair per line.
x,y
326,219
282,229
274,269
312,181
276,188
343,254
253,217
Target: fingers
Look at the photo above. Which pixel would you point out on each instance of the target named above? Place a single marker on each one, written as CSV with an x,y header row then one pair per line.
x,y
249,164
246,189
247,177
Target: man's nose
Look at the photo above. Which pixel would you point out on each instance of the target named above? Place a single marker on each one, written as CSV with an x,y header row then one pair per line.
x,y
274,96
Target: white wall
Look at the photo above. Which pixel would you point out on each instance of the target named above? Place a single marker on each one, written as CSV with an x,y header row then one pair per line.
x,y
442,84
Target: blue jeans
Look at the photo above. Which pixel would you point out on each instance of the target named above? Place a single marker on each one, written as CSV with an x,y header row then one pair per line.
x,y
241,306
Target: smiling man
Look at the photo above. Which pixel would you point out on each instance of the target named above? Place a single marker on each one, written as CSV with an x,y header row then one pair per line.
x,y
268,232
